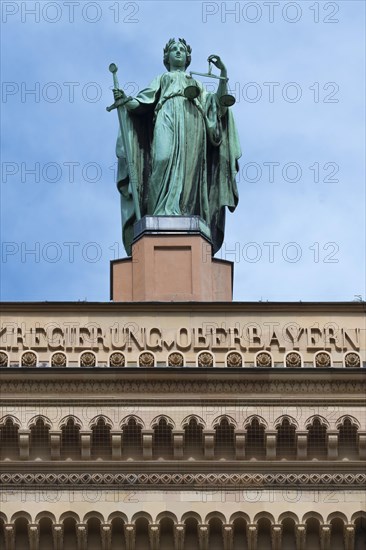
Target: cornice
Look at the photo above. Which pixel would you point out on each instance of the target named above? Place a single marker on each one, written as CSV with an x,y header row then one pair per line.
x,y
161,385
183,307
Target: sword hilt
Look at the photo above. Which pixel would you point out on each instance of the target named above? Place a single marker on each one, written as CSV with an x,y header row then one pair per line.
x,y
118,103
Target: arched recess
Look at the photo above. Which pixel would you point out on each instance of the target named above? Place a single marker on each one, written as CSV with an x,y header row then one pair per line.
x,y
195,417
313,515
337,515
193,439
288,532
166,532
263,515
69,520
39,439
169,421
288,515
45,530
215,533
240,521
21,532
224,438
360,530
255,445
312,525
132,437
127,419
2,530
118,539
66,419
337,541
45,514
142,538
33,421
69,514
348,438
317,437
70,439
106,420
94,537
286,445
163,438
101,442
9,438
166,514
93,514
191,538
144,515
264,539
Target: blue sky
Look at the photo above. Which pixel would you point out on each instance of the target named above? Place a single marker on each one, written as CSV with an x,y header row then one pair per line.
x,y
297,71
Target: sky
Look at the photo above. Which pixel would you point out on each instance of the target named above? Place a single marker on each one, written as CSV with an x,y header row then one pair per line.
x,y
297,72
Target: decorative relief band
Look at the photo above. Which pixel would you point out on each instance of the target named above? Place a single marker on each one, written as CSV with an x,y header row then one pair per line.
x,y
188,480
204,358
216,387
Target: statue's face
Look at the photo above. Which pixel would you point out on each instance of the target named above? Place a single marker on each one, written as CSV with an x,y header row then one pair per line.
x,y
177,55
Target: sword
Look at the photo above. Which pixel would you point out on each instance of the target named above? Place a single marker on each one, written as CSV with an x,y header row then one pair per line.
x,y
119,104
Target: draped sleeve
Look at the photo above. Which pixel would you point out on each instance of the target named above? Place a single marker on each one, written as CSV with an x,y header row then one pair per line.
x,y
138,126
223,153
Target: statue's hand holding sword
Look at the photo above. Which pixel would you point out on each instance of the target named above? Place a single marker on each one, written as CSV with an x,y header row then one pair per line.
x,y
120,101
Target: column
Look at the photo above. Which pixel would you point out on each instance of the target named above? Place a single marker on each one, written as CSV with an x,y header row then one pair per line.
x,y
147,440
33,534
106,535
154,529
81,536
130,531
302,445
178,439
300,536
179,532
252,535
55,438
271,439
276,533
203,536
85,438
58,531
325,537
24,444
116,437
333,445
240,444
349,536
228,536
9,535
362,445
209,443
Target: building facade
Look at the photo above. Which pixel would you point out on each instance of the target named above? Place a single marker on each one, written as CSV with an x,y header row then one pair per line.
x,y
183,426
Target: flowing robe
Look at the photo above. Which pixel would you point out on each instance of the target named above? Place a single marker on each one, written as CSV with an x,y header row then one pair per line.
x,y
185,153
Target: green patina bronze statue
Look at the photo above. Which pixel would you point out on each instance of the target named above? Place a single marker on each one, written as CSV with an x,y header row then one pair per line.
x,y
178,147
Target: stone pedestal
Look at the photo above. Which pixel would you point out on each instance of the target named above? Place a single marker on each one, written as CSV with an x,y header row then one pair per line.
x,y
171,261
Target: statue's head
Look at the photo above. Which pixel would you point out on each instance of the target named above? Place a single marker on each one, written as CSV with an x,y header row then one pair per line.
x,y
169,48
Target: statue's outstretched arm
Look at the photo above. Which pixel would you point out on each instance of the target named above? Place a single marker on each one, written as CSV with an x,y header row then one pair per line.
x,y
222,88
130,105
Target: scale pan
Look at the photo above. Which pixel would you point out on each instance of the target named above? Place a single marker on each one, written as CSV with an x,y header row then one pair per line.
x,y
227,100
191,92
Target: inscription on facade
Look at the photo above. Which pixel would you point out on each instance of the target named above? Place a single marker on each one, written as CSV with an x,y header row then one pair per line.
x,y
71,336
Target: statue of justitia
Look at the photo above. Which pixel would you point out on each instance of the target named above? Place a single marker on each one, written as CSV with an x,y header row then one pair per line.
x,y
178,147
